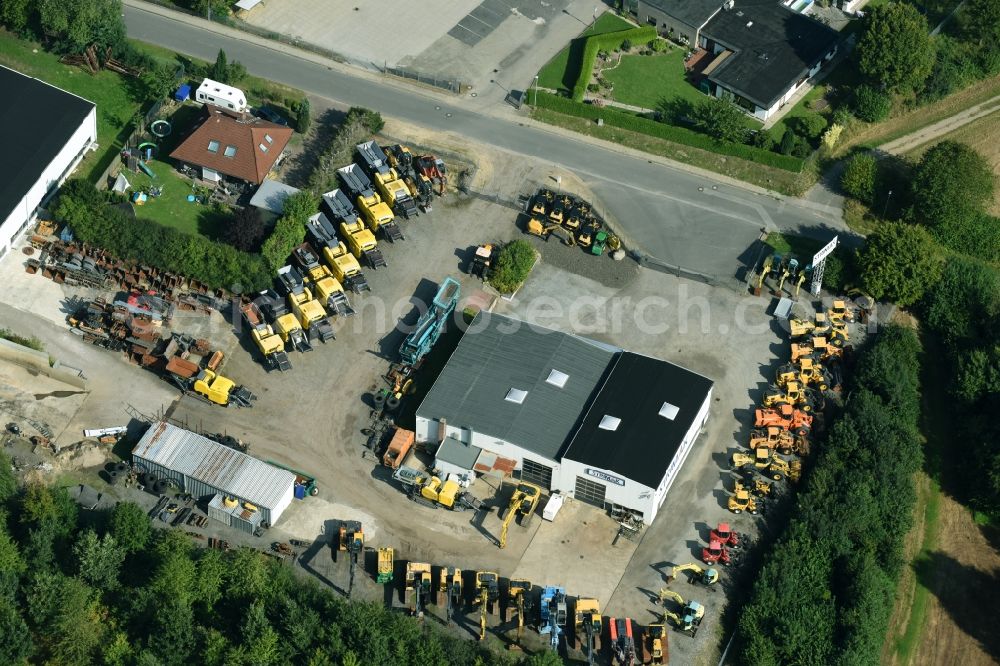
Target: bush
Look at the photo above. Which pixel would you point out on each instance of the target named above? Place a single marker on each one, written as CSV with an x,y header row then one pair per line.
x,y
514,263
626,45
811,126
872,105
860,177
607,41
720,119
358,124
788,141
642,125
290,229
303,119
899,262
30,343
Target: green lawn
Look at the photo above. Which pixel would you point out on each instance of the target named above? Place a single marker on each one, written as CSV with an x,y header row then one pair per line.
x,y
647,80
117,98
172,209
800,110
562,71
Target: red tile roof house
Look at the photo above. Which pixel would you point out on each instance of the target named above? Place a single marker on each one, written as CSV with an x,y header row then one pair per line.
x,y
234,147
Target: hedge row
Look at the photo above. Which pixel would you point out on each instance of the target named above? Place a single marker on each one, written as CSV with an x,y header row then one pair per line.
x,y
826,592
650,127
96,220
606,42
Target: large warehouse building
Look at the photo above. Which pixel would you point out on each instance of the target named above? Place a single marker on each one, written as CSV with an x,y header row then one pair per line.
x,y
241,491
45,132
607,426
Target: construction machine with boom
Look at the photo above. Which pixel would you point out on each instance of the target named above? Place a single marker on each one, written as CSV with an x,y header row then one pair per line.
x,y
553,615
450,591
519,603
207,385
587,627
701,575
351,540
417,590
690,615
523,503
622,641
487,597
431,323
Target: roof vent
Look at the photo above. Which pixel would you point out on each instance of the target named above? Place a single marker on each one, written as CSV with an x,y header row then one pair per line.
x,y
609,422
516,396
557,378
669,411
749,23
739,12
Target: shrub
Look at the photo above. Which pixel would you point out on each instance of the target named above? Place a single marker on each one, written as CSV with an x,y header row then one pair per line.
x,y
593,87
514,263
597,43
303,120
30,343
872,105
810,126
899,262
626,45
720,119
860,176
788,141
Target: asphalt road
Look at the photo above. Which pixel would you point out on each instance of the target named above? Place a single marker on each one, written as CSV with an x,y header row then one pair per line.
x,y
661,209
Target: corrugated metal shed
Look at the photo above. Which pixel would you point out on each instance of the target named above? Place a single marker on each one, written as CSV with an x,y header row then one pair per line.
x,y
500,354
228,471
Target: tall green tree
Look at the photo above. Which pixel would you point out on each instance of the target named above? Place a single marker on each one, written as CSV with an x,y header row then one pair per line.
x,y
859,177
220,70
981,22
952,183
77,25
899,262
8,482
99,559
18,15
15,637
895,49
130,527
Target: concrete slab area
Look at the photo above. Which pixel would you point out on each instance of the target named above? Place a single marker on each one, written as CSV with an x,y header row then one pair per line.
x,y
365,32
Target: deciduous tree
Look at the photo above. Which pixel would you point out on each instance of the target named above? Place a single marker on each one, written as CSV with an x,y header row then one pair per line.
x,y
899,261
130,527
859,177
952,183
720,119
895,49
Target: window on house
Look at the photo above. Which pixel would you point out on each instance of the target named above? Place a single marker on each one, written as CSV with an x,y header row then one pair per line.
x,y
557,378
267,137
651,20
230,151
262,147
213,146
609,422
516,396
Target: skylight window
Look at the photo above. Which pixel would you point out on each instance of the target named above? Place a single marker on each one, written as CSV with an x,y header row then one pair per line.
x,y
263,147
557,378
267,137
669,411
230,151
213,146
609,422
516,396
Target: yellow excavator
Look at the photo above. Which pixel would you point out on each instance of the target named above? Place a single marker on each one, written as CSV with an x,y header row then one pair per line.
x,y
690,615
519,602
418,587
450,591
523,503
544,229
765,269
587,627
705,576
487,593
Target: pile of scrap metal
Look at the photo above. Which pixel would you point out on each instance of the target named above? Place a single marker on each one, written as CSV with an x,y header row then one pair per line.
x,y
77,264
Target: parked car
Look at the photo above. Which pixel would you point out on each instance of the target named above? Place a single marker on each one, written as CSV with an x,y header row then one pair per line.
x,y
267,113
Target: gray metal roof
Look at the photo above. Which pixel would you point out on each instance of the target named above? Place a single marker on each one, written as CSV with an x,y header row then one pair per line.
x,y
230,471
458,453
271,196
497,354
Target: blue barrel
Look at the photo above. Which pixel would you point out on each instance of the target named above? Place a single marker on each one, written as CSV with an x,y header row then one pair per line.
x,y
300,491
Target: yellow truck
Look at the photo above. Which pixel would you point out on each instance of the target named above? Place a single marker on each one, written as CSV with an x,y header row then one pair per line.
x,y
323,236
291,332
307,309
388,181
207,384
268,342
362,243
327,289
379,216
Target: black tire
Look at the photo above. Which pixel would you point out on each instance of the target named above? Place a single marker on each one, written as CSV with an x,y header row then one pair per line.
x,y
379,399
160,486
121,468
114,476
314,491
391,403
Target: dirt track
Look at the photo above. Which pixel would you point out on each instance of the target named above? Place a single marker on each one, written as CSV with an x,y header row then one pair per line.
x,y
920,137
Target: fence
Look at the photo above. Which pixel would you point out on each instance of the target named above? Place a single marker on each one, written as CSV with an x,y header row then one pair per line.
x,y
649,261
452,85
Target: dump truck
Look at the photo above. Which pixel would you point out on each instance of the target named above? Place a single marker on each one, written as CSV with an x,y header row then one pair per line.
x,y
385,566
270,344
431,323
391,188
326,287
399,446
344,265
378,216
291,332
207,385
362,243
307,309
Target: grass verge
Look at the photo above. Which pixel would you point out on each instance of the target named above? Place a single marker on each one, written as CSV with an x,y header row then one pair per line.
x,y
779,180
647,81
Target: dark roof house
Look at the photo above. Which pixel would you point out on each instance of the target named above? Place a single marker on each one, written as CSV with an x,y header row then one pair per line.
x,y
773,48
692,12
240,146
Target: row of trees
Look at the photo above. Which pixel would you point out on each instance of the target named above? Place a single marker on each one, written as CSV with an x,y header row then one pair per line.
x,y
109,589
96,219
825,594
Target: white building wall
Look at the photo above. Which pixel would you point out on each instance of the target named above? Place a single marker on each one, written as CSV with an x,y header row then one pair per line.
x,y
628,493
282,504
52,176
